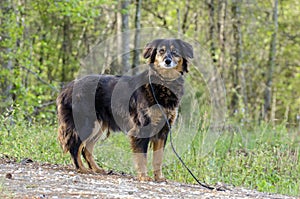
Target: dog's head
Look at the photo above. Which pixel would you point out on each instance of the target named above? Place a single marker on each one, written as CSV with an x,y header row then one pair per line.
x,y
169,57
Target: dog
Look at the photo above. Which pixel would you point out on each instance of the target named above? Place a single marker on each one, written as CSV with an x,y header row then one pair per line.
x,y
144,106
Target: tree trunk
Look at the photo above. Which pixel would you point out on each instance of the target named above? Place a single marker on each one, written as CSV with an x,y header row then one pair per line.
x,y
137,38
211,7
65,49
125,36
116,65
239,83
271,64
222,14
6,63
185,20
178,23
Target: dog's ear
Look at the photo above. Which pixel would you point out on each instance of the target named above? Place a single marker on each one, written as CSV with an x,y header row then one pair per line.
x,y
186,49
150,50
187,53
185,66
147,50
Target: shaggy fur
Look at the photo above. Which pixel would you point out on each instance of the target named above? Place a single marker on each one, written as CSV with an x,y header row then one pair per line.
x,y
94,105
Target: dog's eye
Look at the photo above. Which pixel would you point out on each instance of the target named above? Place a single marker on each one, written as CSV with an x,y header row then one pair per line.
x,y
161,51
174,52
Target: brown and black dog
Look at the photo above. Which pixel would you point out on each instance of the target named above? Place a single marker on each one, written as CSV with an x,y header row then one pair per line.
x,y
94,104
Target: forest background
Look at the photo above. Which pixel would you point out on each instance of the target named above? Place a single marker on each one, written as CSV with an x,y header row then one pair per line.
x,y
254,45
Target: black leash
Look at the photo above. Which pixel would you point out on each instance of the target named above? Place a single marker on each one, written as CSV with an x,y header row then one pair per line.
x,y
171,141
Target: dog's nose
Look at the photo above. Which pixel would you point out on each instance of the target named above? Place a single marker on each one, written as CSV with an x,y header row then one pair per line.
x,y
168,61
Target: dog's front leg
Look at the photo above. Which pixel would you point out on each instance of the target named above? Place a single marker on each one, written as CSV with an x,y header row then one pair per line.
x,y
158,152
140,161
139,147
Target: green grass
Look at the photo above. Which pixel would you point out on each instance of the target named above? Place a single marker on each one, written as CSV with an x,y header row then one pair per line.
x,y
264,158
35,141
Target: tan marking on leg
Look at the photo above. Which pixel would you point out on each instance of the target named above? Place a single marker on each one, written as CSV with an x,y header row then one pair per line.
x,y
81,168
158,151
140,163
89,144
88,151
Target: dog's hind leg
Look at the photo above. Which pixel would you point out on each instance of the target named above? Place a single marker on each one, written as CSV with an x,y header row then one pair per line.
x,y
75,151
87,151
88,156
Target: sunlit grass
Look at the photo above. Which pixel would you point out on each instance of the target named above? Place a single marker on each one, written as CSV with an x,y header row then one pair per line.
x,y
37,142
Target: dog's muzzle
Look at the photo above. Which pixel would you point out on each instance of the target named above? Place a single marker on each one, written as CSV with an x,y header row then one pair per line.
x,y
168,61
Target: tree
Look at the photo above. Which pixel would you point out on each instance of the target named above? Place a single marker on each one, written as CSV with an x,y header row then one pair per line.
x,y
5,49
211,7
137,38
271,64
125,35
222,17
235,9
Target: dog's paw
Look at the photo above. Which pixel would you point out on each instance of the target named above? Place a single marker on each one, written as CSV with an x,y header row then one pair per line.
x,y
160,179
99,171
144,178
84,171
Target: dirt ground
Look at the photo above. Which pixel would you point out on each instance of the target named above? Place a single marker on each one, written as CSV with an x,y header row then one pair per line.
x,y
40,180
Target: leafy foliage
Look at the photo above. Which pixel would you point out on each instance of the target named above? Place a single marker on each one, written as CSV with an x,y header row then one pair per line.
x,y
42,43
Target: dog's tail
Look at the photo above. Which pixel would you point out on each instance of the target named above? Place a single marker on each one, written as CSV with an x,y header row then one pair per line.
x,y
67,135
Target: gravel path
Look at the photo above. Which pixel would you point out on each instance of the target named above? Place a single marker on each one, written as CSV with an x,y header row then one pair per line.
x,y
33,180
